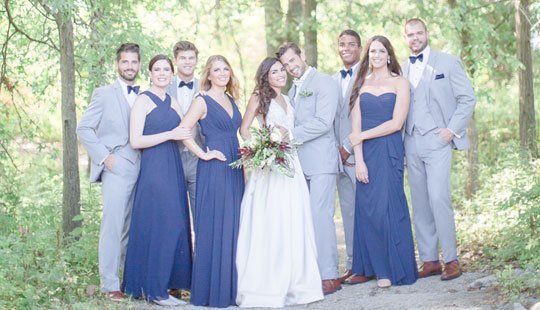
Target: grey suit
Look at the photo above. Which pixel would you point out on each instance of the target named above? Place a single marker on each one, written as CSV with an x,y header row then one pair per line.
x,y
346,179
189,160
444,98
315,110
104,129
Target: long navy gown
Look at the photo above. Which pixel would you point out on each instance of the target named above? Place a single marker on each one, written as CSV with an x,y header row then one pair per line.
x,y
159,249
218,197
383,243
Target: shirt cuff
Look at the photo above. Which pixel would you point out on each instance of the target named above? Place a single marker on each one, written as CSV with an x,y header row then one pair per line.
x,y
101,162
455,134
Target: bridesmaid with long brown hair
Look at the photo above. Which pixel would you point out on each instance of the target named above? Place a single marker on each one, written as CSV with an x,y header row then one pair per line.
x,y
383,244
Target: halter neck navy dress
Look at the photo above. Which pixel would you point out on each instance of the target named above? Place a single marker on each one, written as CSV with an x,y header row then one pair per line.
x,y
383,243
159,248
218,197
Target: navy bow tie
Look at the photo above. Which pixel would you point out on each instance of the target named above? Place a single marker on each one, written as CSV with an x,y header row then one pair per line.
x,y
133,89
345,72
188,84
414,58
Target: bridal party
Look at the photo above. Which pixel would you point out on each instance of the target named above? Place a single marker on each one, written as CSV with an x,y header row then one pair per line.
x,y
181,223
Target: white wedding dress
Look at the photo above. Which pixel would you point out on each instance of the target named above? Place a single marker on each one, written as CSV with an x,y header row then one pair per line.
x,y
276,257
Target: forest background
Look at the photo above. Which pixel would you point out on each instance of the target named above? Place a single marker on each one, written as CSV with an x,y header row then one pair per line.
x,y
55,52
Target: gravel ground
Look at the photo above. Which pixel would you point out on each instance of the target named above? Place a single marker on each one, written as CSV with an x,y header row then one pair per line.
x,y
428,293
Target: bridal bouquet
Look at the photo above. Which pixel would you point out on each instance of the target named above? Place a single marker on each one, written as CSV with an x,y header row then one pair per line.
x,y
267,148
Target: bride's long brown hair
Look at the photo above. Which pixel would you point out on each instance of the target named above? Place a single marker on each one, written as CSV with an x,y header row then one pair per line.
x,y
262,87
393,66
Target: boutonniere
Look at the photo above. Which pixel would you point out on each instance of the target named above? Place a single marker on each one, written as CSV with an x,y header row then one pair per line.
x,y
306,93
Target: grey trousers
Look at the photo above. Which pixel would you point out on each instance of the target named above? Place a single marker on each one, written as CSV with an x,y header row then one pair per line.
x,y
118,188
429,162
346,185
189,164
322,194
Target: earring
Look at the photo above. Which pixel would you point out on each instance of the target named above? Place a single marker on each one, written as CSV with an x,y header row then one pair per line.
x,y
388,61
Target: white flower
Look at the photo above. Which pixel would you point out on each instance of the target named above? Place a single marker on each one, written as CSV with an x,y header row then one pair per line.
x,y
276,135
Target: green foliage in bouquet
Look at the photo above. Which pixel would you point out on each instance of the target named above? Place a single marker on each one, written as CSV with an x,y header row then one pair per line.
x,y
267,149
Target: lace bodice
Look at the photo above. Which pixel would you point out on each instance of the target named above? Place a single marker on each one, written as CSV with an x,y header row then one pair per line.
x,y
277,116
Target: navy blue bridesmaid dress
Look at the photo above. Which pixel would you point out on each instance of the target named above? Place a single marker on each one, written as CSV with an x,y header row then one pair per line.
x,y
159,253
218,197
383,242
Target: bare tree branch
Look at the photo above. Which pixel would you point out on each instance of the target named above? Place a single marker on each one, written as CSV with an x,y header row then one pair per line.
x,y
12,22
6,151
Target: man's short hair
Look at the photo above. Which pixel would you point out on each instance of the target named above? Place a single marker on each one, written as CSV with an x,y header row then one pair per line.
x,y
285,47
352,33
181,46
416,21
128,47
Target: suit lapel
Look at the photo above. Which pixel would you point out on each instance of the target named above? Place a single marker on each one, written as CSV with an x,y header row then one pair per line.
x,y
429,73
406,70
195,86
307,81
123,105
291,93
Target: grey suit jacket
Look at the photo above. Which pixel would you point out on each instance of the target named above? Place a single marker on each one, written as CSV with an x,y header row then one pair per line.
x,y
342,123
104,128
172,90
314,113
450,97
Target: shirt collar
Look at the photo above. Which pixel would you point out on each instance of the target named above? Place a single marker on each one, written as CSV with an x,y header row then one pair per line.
x,y
124,86
426,51
354,68
304,76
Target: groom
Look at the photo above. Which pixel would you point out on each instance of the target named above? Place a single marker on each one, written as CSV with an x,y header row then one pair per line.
x,y
442,104
314,96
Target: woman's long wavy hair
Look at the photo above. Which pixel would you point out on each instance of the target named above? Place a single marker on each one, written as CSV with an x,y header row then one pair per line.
x,y
233,88
262,89
364,67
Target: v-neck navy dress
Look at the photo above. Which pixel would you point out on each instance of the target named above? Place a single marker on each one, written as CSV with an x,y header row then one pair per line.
x,y
159,248
218,197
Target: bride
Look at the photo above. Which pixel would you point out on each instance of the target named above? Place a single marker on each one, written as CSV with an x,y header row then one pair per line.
x,y
276,256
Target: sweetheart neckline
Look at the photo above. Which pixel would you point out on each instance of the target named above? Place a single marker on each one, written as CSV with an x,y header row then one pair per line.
x,y
380,95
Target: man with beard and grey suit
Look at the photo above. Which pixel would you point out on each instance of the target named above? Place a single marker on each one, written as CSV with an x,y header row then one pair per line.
x,y
349,48
104,132
315,97
442,104
183,88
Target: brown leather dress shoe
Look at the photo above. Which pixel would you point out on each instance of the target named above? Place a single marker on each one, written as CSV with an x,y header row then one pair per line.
x,y
330,286
451,271
345,276
115,296
357,279
430,269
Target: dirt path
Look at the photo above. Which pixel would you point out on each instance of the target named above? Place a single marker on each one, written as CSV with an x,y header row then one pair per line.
x,y
428,293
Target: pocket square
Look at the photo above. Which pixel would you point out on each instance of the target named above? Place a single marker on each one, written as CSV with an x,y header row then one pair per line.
x,y
439,76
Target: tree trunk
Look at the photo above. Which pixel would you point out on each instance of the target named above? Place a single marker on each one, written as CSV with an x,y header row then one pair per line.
x,y
527,118
273,25
292,22
472,179
71,185
309,10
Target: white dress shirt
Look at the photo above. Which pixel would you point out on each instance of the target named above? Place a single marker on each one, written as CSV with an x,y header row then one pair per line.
x,y
417,69
129,97
184,95
298,82
347,80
